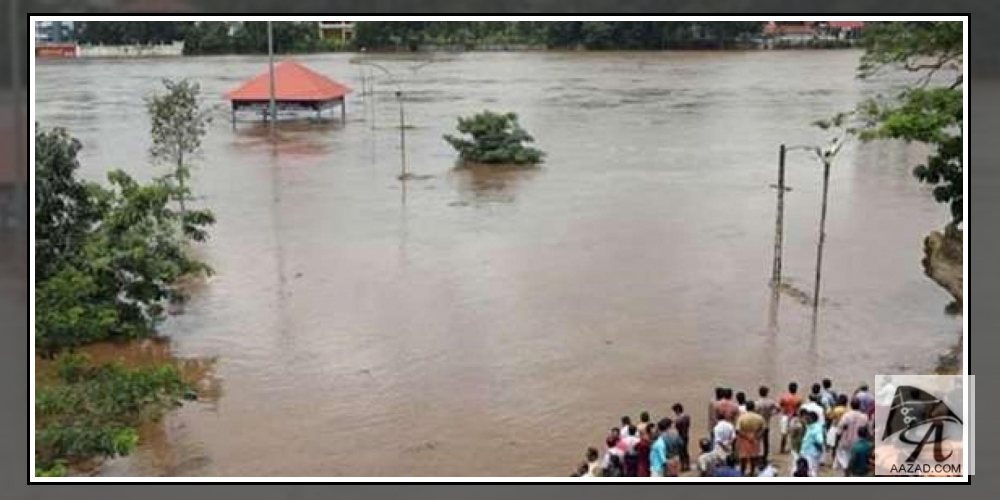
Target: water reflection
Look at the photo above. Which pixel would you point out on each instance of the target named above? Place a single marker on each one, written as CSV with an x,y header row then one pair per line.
x,y
642,254
487,183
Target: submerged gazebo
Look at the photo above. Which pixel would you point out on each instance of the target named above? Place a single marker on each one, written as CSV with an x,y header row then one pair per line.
x,y
296,87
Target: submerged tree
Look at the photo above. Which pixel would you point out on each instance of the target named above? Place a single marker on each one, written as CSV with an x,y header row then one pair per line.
x,y
177,125
108,257
494,138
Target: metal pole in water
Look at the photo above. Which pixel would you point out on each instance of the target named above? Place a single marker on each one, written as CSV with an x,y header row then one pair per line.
x,y
272,109
819,245
778,237
402,135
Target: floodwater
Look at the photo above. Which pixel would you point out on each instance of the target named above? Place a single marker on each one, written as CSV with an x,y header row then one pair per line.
x,y
479,324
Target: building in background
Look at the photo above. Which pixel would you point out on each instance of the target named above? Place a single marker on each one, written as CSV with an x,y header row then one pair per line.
x,y
53,32
800,31
336,30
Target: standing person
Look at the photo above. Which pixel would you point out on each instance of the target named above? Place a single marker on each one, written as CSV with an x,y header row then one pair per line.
x,y
767,408
682,422
626,421
724,433
868,401
642,449
615,467
815,408
796,431
833,416
749,429
713,409
847,429
593,462
789,403
828,397
613,451
728,409
709,458
741,402
861,455
631,461
629,438
812,442
644,420
814,394
659,452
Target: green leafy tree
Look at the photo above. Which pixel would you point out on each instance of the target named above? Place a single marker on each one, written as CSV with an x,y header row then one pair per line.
x,y
177,125
210,37
929,110
65,208
108,258
490,137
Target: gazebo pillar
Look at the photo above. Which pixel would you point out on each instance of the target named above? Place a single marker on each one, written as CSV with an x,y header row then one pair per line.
x,y
343,110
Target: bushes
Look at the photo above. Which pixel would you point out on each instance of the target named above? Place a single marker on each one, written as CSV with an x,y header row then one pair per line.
x,y
494,138
93,411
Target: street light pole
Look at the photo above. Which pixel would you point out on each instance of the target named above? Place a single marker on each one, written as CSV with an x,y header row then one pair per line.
x,y
822,239
402,115
272,109
402,134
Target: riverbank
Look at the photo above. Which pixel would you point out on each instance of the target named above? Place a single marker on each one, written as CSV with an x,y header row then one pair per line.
x,y
943,264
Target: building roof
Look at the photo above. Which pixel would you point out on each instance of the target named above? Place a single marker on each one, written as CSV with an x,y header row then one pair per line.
x,y
292,82
846,24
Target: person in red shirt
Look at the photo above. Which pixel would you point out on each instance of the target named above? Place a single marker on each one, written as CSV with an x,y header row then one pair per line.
x,y
727,408
789,403
642,450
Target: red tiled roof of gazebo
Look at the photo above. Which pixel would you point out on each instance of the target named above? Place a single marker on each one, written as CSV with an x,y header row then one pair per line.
x,y
292,82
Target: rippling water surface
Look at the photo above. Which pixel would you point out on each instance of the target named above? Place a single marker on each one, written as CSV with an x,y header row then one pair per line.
x,y
496,324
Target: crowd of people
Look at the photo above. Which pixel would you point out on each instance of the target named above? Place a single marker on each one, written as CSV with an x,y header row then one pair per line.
x,y
823,430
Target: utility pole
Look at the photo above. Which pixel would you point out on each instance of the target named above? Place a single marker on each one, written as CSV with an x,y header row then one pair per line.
x,y
272,109
402,135
822,238
778,237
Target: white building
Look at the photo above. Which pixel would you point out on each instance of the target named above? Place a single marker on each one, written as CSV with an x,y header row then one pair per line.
x,y
337,30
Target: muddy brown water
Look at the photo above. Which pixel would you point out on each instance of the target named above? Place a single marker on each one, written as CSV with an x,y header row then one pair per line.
x,y
482,324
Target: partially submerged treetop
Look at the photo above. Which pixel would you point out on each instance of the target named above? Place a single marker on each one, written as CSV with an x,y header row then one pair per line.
x,y
177,124
494,138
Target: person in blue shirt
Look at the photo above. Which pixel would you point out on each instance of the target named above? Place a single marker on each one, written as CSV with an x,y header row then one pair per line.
x,y
658,452
812,441
728,469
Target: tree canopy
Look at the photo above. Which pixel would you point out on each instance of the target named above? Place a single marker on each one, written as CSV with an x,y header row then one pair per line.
x,y
493,138
108,257
557,34
930,109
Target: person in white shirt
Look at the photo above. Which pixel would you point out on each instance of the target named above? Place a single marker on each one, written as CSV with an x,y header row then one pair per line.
x,y
887,392
630,438
724,434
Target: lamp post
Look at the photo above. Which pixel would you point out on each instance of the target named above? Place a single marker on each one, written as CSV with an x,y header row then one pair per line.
x,y
272,109
826,158
402,115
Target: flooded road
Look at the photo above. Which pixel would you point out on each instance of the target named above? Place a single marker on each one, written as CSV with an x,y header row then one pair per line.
x,y
496,325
